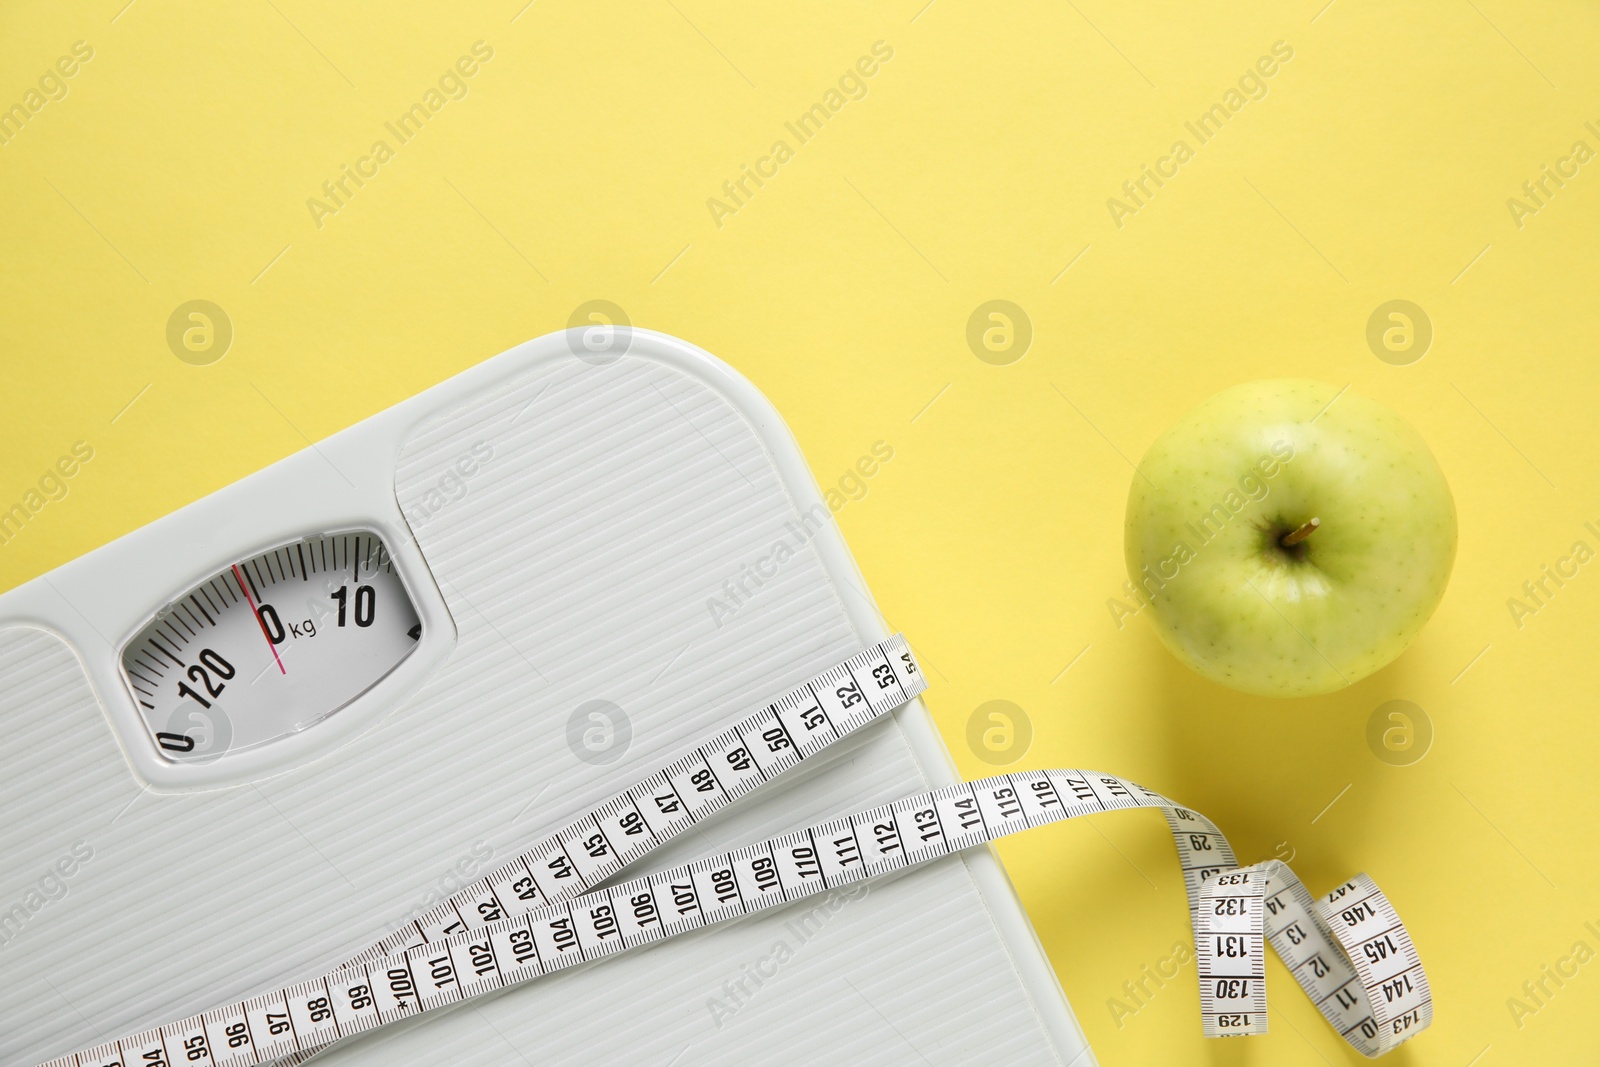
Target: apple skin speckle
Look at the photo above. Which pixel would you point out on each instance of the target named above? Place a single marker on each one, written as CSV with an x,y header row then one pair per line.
x,y
1213,496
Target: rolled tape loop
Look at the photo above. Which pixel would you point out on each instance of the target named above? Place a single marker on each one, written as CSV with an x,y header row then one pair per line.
x,y
1388,971
537,914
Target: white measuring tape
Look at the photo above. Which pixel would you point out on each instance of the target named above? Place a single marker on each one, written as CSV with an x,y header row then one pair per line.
x,y
535,915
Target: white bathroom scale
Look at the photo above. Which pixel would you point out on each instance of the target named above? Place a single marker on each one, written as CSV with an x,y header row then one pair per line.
x,y
244,742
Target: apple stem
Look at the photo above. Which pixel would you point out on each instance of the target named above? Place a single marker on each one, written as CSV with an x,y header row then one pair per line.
x,y
1294,537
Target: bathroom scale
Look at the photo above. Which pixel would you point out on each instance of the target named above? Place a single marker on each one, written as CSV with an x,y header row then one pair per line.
x,y
286,721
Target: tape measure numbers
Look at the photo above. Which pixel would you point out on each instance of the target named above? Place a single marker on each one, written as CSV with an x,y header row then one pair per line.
x,y
540,913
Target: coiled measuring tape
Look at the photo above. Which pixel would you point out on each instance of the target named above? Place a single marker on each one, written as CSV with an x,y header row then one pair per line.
x,y
537,914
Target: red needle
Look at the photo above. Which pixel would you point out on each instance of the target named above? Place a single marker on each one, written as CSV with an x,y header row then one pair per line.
x,y
251,601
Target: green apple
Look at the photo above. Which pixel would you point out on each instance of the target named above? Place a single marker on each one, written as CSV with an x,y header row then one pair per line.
x,y
1289,537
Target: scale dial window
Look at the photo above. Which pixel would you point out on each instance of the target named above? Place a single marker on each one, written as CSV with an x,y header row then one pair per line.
x,y
270,646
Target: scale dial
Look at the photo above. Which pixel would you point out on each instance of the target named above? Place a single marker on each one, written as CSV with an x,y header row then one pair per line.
x,y
270,646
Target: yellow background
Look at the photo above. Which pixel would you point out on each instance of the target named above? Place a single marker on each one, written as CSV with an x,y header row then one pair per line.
x,y
977,167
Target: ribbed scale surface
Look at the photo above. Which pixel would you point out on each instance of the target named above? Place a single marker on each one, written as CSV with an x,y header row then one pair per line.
x,y
577,565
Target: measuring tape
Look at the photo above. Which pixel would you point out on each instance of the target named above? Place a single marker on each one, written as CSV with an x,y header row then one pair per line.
x,y
537,914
